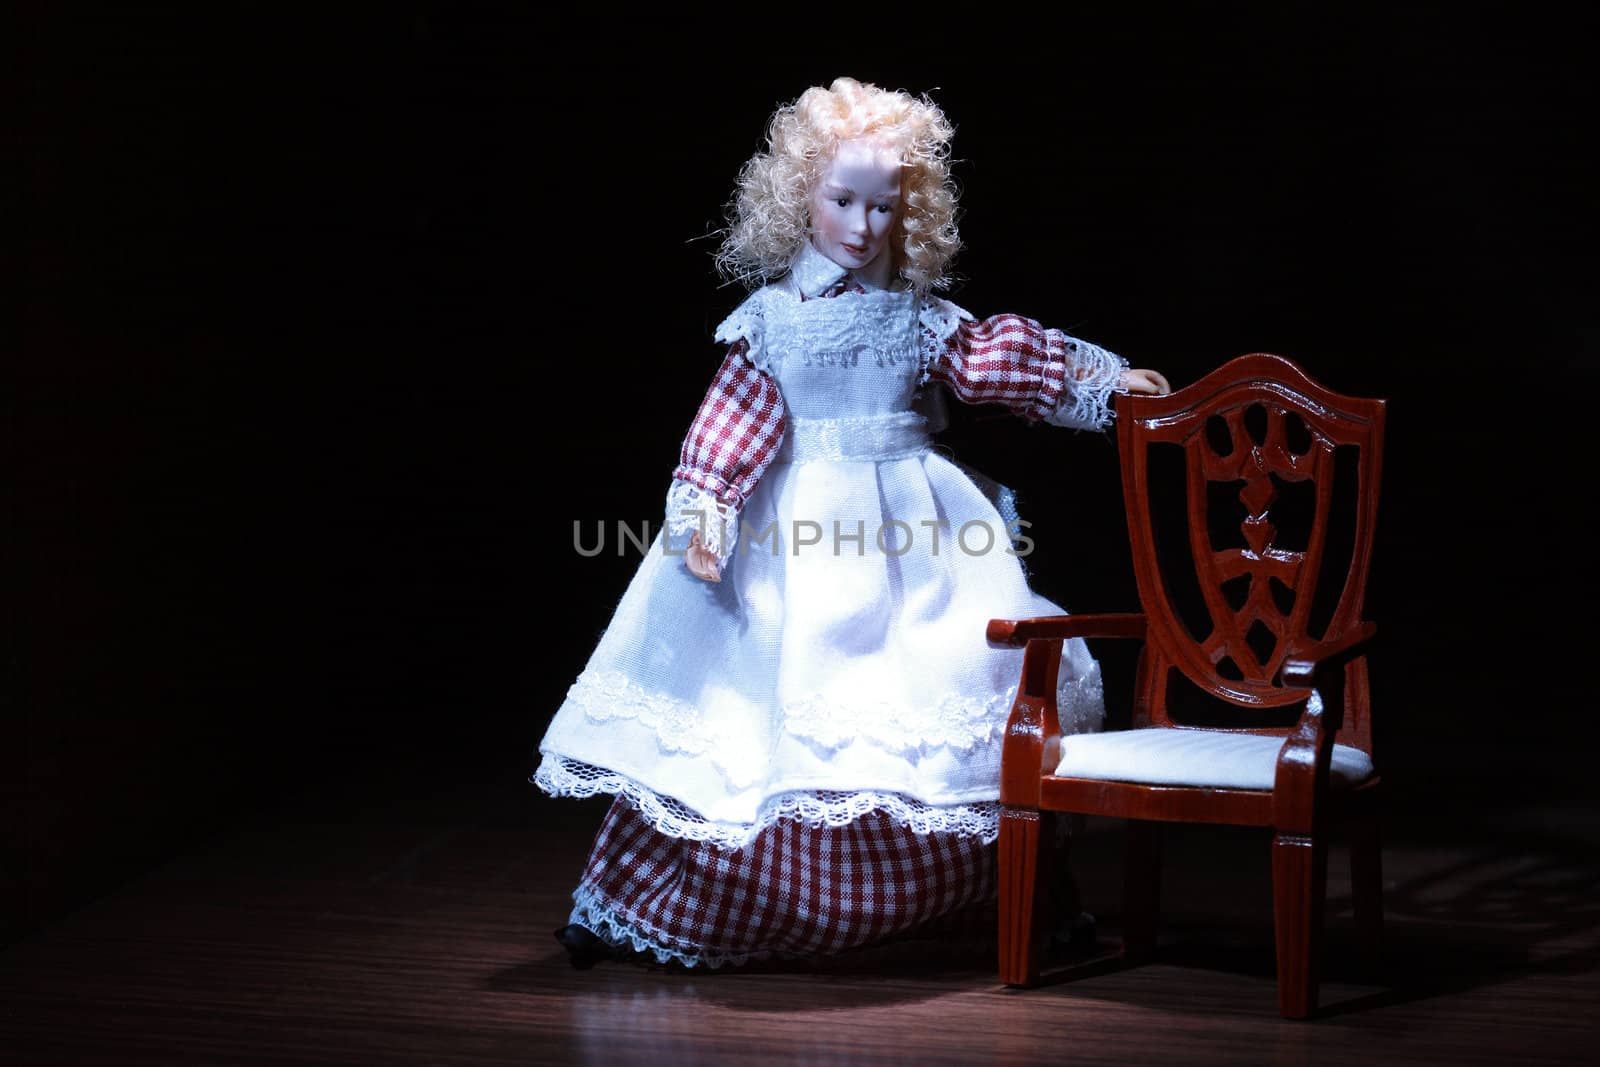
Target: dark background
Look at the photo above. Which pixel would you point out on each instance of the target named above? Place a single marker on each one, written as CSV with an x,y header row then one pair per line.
x,y
331,327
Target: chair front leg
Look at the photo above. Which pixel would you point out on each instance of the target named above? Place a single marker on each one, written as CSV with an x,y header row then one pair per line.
x,y
1299,886
1026,839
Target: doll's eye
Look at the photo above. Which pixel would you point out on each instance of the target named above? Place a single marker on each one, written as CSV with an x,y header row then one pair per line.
x,y
842,201
884,209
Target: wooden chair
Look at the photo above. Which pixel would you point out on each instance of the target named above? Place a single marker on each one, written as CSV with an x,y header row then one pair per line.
x,y
1245,621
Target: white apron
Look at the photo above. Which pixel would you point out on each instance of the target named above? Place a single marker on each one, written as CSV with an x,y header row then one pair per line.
x,y
840,666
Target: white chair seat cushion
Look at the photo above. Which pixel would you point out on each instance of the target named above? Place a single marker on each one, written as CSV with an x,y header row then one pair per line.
x,y
1176,756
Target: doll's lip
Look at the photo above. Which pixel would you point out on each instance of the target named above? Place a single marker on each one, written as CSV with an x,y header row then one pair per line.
x,y
854,250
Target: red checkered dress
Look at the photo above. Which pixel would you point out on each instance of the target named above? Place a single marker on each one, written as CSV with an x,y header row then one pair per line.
x,y
795,891
1004,359
800,889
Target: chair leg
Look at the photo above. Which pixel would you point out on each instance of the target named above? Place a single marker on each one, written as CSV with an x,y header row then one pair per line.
x,y
1366,884
1141,888
1026,838
1299,886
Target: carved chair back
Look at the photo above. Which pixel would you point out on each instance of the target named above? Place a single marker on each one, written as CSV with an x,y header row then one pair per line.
x,y
1267,560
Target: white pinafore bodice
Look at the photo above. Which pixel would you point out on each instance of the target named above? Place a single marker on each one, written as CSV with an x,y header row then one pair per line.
x,y
846,356
848,367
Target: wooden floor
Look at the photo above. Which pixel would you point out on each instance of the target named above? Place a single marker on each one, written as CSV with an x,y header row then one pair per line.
x,y
382,922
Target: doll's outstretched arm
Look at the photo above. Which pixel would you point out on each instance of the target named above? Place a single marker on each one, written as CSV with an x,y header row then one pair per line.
x,y
733,439
1039,373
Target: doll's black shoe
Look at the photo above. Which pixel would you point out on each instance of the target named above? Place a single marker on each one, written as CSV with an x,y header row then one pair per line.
x,y
584,947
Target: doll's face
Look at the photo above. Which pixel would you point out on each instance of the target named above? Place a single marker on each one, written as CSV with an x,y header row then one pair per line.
x,y
854,207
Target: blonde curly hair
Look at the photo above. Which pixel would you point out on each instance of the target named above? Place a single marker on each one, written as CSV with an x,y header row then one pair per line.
x,y
769,216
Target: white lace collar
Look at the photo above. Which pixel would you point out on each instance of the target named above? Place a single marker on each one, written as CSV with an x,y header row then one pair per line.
x,y
814,273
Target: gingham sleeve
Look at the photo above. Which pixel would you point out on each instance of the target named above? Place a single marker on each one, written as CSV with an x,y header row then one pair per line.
x,y
730,444
1039,373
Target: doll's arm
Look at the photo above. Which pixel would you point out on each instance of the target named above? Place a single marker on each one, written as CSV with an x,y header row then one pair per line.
x,y
1040,374
730,444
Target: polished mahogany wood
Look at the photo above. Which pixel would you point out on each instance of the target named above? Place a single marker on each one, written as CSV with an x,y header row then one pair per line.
x,y
1249,430
1021,631
1299,883
1170,803
1278,392
1024,857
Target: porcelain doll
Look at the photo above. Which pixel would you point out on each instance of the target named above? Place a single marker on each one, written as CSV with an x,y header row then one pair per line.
x,y
794,704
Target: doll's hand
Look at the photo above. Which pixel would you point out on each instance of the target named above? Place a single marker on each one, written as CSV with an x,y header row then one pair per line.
x,y
701,562
1149,382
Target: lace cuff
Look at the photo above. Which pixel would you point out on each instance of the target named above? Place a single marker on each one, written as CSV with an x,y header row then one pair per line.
x,y
691,508
1092,376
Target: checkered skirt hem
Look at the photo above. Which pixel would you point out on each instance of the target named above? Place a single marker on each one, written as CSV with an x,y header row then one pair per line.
x,y
796,891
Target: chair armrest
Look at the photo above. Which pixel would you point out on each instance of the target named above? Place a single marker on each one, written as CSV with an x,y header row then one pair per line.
x,y
1302,774
1032,745
1304,667
1014,633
